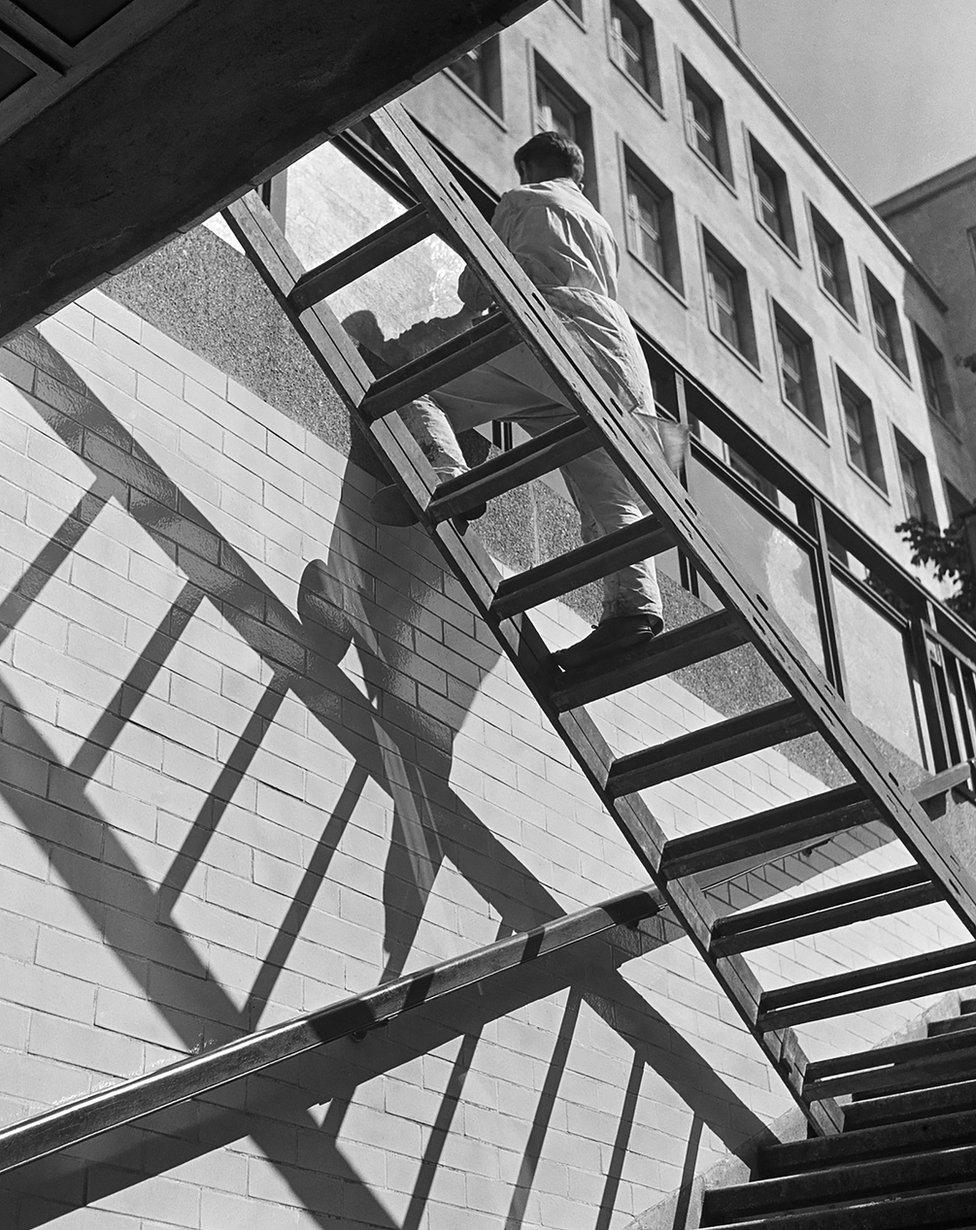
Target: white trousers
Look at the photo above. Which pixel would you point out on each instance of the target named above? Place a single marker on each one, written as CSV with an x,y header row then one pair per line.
x,y
516,386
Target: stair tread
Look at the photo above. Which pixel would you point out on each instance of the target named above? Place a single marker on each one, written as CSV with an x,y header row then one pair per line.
x,y
934,1208
812,913
368,253
882,1140
512,468
714,744
888,982
815,816
875,1176
679,647
896,1107
485,340
593,560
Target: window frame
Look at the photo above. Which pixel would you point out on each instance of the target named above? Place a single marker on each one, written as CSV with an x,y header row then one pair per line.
x,y
926,348
758,157
692,82
870,440
712,249
543,74
671,276
878,295
814,416
907,453
846,304
497,113
568,7
650,87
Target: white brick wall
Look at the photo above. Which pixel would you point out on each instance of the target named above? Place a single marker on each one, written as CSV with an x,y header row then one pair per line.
x,y
200,797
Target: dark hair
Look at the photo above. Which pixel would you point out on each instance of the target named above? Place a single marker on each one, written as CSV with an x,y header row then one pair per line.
x,y
554,152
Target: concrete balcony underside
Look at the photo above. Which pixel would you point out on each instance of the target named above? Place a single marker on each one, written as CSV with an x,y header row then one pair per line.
x,y
183,120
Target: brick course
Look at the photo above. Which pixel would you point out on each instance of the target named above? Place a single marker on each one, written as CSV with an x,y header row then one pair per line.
x,y
215,816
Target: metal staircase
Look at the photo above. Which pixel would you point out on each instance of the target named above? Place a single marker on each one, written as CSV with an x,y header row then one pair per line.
x,y
906,1156
875,794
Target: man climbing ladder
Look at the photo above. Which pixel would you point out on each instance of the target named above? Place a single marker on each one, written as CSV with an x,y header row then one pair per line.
x,y
568,250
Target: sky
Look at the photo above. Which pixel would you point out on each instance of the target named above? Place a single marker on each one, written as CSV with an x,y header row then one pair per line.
x,y
886,87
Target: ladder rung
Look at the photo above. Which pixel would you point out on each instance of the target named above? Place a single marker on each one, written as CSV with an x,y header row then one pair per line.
x,y
374,250
693,642
871,987
487,340
888,1066
715,744
803,821
905,889
558,576
512,469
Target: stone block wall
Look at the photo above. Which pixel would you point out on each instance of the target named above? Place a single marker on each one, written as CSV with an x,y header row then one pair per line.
x,y
217,813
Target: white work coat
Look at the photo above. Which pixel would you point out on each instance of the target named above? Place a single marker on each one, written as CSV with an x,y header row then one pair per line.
x,y
569,251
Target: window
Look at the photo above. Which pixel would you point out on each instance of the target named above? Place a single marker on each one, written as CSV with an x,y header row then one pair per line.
x,y
705,121
632,46
651,232
558,108
772,195
740,466
480,70
935,383
575,7
887,330
958,503
860,432
797,368
914,480
727,292
832,262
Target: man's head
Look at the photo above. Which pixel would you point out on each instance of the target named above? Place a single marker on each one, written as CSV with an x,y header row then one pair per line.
x,y
549,155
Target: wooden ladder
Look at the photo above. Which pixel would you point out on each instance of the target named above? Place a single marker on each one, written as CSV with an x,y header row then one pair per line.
x,y
812,705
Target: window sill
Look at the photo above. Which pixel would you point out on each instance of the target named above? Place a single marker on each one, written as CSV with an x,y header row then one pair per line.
x,y
658,276
818,431
743,359
580,21
894,366
719,175
848,316
647,96
781,243
866,478
944,423
477,99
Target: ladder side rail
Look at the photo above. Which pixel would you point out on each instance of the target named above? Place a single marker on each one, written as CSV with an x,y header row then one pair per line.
x,y
631,446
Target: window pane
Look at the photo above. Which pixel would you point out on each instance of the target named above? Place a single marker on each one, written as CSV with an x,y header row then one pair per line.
x,y
644,219
882,326
827,259
910,485
768,203
554,113
721,291
628,45
791,366
855,432
933,391
703,126
472,70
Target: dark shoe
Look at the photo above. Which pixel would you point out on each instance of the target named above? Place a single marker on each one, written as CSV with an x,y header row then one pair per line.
x,y
613,636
